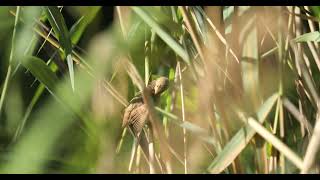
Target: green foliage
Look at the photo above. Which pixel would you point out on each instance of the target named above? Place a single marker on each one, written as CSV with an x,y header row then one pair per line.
x,y
59,27
312,36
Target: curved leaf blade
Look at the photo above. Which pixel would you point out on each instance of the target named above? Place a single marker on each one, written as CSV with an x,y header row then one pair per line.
x,y
41,71
59,27
240,140
171,42
312,36
78,28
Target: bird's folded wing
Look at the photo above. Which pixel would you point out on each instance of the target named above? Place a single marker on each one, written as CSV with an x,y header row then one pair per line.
x,y
138,117
126,115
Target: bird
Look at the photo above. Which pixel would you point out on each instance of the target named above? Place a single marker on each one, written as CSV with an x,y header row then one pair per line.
x,y
136,113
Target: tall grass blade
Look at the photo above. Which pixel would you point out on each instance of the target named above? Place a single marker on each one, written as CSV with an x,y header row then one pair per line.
x,y
59,27
234,147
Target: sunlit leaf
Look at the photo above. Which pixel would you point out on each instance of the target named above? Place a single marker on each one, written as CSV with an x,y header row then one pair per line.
x,y
312,36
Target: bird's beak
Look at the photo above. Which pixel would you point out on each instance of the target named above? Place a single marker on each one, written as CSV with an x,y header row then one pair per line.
x,y
156,90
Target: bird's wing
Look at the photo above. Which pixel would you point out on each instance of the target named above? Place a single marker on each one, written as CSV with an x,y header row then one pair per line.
x,y
126,115
138,117
136,101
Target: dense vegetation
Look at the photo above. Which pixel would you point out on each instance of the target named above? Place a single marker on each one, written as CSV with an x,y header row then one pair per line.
x,y
243,95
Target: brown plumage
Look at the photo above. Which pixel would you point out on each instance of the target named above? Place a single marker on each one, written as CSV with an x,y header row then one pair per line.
x,y
136,113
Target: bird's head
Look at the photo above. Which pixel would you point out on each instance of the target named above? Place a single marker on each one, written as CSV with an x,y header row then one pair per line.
x,y
161,85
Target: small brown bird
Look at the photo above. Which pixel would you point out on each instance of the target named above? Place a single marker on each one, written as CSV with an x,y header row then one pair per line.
x,y
136,113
